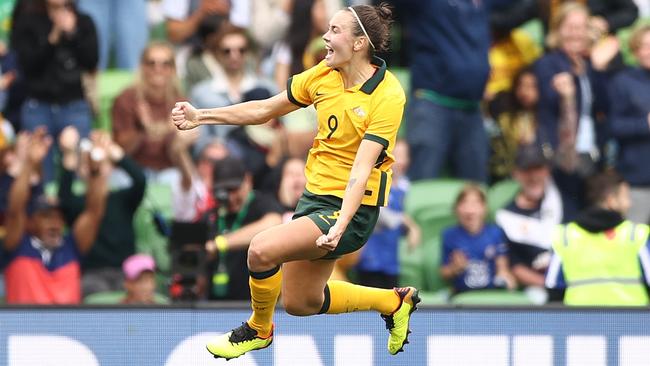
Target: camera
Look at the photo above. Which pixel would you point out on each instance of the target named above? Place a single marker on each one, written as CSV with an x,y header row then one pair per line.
x,y
187,248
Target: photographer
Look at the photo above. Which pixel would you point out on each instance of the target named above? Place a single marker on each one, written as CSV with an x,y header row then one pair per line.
x,y
241,213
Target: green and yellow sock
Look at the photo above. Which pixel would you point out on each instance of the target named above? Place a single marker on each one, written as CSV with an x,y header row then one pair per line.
x,y
345,297
265,289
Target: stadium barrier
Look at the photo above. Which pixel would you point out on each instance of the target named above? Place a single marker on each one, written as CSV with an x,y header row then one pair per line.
x,y
175,336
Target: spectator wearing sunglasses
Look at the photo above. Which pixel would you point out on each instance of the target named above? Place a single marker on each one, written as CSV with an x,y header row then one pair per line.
x,y
227,73
141,114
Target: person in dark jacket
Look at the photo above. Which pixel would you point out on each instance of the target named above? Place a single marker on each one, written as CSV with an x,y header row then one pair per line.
x,y
572,102
449,43
630,125
56,45
102,265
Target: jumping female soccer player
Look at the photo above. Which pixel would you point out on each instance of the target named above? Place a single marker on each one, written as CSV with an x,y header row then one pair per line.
x,y
360,107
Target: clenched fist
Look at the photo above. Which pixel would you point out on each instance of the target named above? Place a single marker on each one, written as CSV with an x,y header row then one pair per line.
x,y
185,116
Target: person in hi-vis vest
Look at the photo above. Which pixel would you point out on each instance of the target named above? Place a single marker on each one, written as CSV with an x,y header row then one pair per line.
x,y
601,258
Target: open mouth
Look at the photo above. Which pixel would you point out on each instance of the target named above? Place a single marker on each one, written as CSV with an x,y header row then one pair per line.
x,y
330,51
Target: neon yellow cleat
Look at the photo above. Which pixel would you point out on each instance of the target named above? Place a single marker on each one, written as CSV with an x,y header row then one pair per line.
x,y
398,322
237,342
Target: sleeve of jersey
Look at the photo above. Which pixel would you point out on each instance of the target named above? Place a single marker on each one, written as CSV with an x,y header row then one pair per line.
x,y
298,87
385,119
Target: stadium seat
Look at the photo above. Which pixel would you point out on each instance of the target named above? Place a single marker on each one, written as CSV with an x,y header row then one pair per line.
x,y
491,297
440,297
430,204
500,194
410,261
110,84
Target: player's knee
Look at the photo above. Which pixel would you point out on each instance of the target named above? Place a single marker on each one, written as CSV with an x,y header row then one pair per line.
x,y
258,257
302,307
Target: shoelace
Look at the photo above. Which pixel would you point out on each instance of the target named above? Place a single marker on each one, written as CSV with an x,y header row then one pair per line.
x,y
242,334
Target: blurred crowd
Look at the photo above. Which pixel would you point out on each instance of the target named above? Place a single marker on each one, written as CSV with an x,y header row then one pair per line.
x,y
103,200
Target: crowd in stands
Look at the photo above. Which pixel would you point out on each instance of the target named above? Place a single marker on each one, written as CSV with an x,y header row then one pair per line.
x,y
521,168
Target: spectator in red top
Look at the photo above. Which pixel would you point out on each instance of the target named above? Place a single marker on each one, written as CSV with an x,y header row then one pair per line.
x,y
43,260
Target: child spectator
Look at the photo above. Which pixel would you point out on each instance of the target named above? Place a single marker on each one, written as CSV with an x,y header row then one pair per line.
x,y
140,281
43,261
474,253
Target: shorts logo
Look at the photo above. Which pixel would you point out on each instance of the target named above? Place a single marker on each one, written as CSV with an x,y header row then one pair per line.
x,y
334,216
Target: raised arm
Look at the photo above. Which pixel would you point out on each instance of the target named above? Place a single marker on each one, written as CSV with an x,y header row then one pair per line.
x,y
366,157
16,220
255,112
86,226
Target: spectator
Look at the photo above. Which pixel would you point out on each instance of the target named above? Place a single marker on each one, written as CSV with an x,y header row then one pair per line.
x,y
230,78
13,159
601,257
260,147
291,55
291,186
240,215
608,16
515,123
121,28
378,264
115,240
573,101
140,114
56,45
630,125
474,253
301,48
43,261
192,201
267,20
511,51
449,68
140,281
8,75
530,218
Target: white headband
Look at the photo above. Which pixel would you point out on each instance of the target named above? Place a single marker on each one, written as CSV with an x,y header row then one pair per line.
x,y
361,25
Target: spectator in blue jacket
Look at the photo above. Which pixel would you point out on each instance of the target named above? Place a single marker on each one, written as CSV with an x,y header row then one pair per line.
x,y
449,43
630,125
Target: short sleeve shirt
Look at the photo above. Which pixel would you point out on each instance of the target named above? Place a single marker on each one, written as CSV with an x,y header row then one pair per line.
x,y
372,111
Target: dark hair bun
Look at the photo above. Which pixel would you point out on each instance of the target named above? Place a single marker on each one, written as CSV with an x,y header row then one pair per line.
x,y
385,11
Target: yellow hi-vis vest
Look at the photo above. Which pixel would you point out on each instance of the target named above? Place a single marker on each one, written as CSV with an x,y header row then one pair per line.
x,y
602,269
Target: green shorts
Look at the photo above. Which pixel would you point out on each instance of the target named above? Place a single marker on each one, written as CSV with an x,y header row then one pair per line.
x,y
323,211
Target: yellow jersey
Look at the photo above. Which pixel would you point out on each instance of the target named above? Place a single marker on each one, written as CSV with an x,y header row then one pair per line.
x,y
371,111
